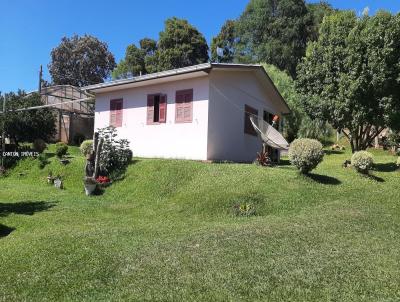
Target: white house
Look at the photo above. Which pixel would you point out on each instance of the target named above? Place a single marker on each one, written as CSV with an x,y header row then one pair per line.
x,y
199,112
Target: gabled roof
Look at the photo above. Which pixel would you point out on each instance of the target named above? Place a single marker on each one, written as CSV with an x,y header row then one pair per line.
x,y
180,73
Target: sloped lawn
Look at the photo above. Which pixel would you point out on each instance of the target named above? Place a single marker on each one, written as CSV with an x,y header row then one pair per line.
x,y
166,232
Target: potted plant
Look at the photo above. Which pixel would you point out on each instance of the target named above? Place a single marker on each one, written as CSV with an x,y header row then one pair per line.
x,y
50,178
90,185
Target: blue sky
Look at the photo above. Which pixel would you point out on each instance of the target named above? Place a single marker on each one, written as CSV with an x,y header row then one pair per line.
x,y
30,29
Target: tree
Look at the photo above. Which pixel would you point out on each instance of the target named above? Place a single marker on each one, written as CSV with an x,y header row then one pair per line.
x,y
317,12
180,45
137,60
273,31
26,126
297,124
132,65
350,75
226,40
80,61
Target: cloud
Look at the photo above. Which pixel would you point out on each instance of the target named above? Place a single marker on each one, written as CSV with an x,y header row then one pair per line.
x,y
365,11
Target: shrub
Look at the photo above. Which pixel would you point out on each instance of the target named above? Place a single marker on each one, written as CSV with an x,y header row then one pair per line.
x,y
244,209
78,139
115,155
263,159
362,161
398,162
305,154
43,161
39,145
86,147
61,149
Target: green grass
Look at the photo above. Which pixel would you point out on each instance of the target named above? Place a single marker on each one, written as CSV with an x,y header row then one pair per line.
x,y
166,232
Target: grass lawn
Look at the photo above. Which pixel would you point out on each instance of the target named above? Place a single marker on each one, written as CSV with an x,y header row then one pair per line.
x,y
166,232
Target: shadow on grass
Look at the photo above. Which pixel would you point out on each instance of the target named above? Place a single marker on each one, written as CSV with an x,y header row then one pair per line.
x,y
374,178
5,230
324,179
50,154
385,167
331,152
24,207
284,162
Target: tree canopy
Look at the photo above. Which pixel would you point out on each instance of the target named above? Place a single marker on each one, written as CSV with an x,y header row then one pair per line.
x,y
80,61
273,31
26,126
297,124
226,40
179,45
350,75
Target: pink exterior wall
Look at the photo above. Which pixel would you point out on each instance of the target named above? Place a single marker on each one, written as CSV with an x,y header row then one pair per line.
x,y
165,140
229,92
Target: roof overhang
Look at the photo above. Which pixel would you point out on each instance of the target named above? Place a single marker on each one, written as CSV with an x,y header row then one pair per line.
x,y
184,73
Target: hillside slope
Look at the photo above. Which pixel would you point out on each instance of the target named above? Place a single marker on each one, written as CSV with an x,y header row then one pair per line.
x,y
167,232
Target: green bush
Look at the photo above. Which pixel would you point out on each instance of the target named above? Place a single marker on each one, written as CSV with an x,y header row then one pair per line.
x,y
362,161
61,149
305,154
86,147
115,154
43,161
39,145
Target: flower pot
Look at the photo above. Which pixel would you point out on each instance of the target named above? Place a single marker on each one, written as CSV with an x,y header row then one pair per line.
x,y
89,188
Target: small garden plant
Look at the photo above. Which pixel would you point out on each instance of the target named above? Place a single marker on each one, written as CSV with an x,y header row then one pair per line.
x,y
61,149
362,161
86,147
244,209
39,145
305,154
263,159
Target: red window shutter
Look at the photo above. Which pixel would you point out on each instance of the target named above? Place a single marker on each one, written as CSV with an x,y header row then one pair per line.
x,y
119,110
163,109
150,109
184,106
179,103
116,112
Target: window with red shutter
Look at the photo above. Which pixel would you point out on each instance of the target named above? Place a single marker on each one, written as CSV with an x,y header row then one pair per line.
x,y
184,106
116,112
248,127
162,116
156,108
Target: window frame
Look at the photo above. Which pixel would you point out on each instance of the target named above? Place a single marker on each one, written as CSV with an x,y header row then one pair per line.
x,y
248,127
187,104
160,107
115,112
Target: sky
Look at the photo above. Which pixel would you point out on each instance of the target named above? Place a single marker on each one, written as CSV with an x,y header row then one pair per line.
x,y
30,29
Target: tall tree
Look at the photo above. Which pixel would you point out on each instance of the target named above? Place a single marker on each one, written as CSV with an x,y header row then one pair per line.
x,y
273,31
26,126
297,123
226,40
133,64
350,75
81,61
180,45
317,12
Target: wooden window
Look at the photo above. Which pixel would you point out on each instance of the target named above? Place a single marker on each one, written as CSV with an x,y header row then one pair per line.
x,y
156,108
248,127
184,106
116,112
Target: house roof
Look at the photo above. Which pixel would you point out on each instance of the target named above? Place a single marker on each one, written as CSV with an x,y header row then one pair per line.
x,y
181,73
